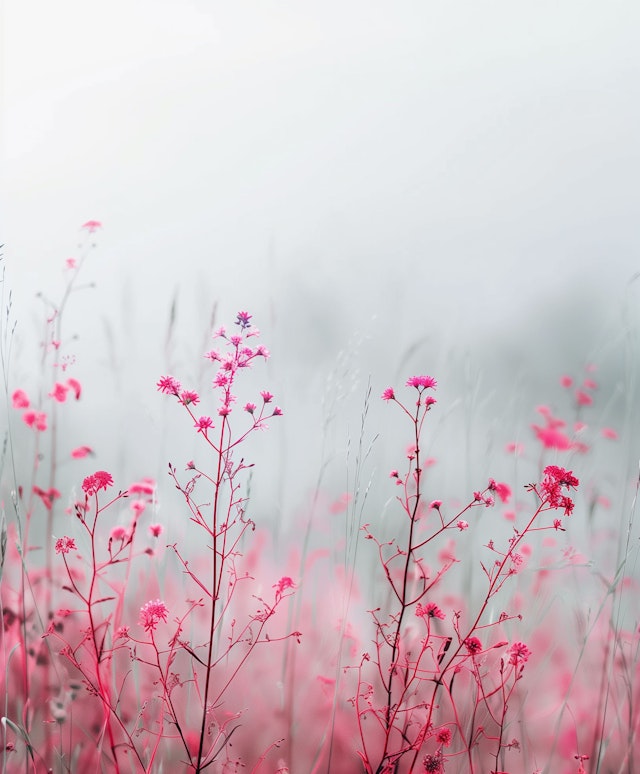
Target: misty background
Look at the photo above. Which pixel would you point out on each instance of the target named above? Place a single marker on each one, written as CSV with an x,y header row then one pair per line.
x,y
389,188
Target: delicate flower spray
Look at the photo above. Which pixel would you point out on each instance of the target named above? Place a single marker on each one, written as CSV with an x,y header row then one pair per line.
x,y
413,688
115,663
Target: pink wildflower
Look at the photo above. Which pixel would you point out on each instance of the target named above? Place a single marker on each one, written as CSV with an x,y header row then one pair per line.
x,y
583,399
203,424
70,263
81,451
250,407
155,529
430,610
435,505
59,392
99,480
282,585
74,384
168,385
443,736
473,645
267,397
35,419
243,320
47,496
138,507
462,525
566,381
118,533
65,544
425,382
20,399
152,613
188,396
389,394
610,433
91,226
502,490
519,653
277,412
144,486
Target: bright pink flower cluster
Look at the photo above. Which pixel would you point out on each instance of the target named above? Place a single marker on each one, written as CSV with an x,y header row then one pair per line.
x,y
152,613
551,488
519,653
238,356
65,544
99,480
430,610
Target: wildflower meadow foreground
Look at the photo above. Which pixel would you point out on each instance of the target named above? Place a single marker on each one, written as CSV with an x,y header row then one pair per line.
x,y
491,630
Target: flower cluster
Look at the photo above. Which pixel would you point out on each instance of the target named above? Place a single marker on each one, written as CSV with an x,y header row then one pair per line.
x,y
99,480
551,488
65,544
152,613
238,355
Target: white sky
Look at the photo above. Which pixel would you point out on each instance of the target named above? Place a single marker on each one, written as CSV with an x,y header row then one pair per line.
x,y
467,167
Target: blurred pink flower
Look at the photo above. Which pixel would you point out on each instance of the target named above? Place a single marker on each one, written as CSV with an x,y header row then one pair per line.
x,y
20,399
91,226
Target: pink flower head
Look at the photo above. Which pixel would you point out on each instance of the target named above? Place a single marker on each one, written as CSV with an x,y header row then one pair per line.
x,y
99,480
519,653
155,529
243,320
424,382
59,392
267,397
389,394
250,407
443,736
502,490
152,613
35,419
70,263
462,525
74,384
430,610
203,424
566,381
282,585
118,533
122,633
473,645
47,496
188,396
91,226
145,486
81,451
610,433
435,505
224,410
583,398
277,412
138,507
20,399
65,544
168,385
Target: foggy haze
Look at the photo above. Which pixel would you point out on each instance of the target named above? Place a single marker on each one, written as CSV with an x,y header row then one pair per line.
x,y
443,188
